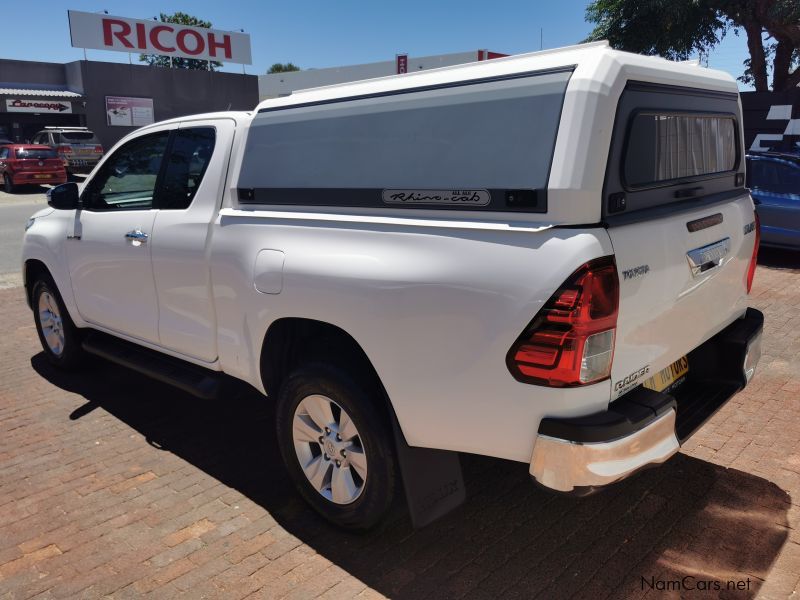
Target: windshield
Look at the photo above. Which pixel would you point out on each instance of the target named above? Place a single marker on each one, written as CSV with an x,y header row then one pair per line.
x,y
36,153
79,137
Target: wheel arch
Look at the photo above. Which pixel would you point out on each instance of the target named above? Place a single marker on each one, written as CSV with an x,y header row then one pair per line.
x,y
34,269
290,341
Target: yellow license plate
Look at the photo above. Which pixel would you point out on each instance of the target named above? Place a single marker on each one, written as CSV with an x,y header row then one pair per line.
x,y
41,176
669,377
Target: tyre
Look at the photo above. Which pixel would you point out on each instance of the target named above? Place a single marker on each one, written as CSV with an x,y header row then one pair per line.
x,y
60,339
8,184
337,444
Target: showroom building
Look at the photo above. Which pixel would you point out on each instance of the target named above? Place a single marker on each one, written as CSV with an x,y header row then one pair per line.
x,y
111,99
273,85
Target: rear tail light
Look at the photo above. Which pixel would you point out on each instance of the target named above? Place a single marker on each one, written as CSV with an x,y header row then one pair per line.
x,y
751,271
571,340
98,149
64,149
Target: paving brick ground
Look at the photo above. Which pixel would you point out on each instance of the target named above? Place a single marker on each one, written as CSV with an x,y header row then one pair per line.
x,y
111,484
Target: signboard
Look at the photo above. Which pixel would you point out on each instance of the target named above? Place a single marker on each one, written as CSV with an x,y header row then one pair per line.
x,y
129,112
402,64
38,106
104,32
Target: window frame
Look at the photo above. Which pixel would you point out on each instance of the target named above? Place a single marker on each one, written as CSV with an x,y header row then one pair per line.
x,y
500,200
622,205
629,187
157,196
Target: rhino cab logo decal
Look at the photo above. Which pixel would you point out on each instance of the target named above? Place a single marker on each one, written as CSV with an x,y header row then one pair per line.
x,y
448,197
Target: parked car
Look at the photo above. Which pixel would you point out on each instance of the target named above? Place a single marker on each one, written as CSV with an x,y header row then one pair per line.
x,y
27,164
774,181
78,147
545,258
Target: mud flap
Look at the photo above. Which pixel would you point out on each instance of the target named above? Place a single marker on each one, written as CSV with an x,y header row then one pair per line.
x,y
432,479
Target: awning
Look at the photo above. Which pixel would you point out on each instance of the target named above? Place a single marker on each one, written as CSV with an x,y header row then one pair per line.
x,y
38,92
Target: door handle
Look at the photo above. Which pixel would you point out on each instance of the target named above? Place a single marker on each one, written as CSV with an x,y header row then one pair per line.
x,y
137,235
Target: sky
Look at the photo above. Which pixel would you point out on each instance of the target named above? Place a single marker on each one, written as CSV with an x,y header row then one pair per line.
x,y
317,34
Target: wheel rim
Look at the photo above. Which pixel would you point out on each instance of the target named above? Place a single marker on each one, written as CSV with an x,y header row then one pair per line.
x,y
329,449
50,321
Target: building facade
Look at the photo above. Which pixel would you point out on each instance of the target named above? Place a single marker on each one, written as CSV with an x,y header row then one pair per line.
x,y
34,95
273,85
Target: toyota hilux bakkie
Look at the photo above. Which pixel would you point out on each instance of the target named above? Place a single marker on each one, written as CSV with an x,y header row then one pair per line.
x,y
544,258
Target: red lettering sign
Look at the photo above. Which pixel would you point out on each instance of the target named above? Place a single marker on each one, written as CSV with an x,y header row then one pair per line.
x,y
122,32
199,42
225,44
402,64
155,32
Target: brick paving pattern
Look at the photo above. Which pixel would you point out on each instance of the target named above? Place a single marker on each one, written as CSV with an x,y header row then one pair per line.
x,y
111,484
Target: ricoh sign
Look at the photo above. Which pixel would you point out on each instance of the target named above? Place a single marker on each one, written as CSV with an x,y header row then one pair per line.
x,y
105,32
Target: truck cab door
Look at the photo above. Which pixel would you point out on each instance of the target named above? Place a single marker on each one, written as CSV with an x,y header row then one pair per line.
x,y
188,202
109,250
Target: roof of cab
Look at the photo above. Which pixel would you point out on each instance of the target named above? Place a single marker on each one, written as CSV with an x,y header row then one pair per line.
x,y
596,63
237,115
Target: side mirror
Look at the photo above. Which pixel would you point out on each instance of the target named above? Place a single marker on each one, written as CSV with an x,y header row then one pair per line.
x,y
64,196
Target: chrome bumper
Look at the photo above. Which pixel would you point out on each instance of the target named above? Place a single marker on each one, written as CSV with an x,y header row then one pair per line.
x,y
644,427
568,466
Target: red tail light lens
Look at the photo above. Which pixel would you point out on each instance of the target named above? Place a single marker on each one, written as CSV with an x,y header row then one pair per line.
x,y
64,149
98,149
751,271
571,340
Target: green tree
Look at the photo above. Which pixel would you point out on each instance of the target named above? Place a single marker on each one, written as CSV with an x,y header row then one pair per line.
x,y
677,29
283,68
178,62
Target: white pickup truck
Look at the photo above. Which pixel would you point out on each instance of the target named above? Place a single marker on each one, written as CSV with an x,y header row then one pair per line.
x,y
544,258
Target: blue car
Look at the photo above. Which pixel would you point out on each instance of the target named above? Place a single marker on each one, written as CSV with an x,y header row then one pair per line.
x,y
774,181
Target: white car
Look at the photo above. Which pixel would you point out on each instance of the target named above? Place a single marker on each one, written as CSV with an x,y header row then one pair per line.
x,y
543,258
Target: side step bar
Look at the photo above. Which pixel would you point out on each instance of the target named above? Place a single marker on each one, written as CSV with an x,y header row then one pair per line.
x,y
195,380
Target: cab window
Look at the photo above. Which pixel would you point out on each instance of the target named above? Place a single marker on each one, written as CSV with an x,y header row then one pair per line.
x,y
127,180
188,160
664,147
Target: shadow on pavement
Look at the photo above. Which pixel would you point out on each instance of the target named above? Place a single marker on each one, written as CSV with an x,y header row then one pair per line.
x,y
779,258
686,523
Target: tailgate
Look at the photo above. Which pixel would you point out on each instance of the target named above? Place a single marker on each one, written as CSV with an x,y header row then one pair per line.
x,y
681,223
667,307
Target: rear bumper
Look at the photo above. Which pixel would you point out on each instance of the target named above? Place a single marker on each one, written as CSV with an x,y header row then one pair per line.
x,y
644,427
25,178
81,165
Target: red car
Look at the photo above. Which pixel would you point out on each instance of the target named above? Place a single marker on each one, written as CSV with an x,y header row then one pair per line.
x,y
28,164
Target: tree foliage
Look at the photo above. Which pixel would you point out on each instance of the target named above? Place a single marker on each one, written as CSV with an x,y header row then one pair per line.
x,y
177,62
677,29
283,68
